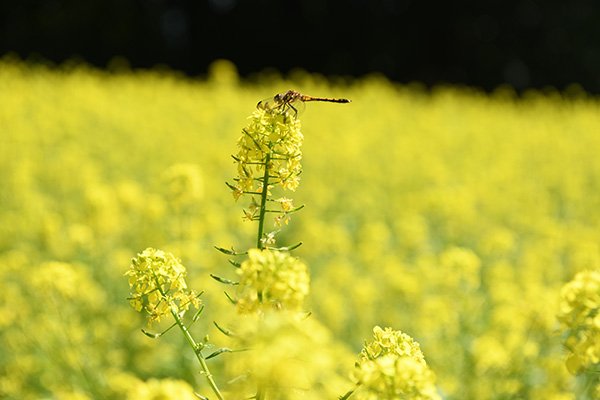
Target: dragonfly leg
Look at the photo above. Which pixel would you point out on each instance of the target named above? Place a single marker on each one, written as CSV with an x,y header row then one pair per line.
x,y
293,108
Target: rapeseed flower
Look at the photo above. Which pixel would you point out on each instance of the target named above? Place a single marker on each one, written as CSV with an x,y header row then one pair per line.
x,y
272,280
580,316
269,155
158,286
392,366
288,356
271,139
163,389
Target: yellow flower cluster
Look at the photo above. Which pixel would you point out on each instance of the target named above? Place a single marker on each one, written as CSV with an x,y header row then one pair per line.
x,y
272,280
158,286
269,153
288,356
392,366
164,389
52,325
128,387
580,316
274,139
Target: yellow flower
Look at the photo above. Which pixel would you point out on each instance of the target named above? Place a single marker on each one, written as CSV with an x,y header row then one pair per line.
x,y
272,280
285,203
269,154
157,282
580,316
392,366
292,357
163,389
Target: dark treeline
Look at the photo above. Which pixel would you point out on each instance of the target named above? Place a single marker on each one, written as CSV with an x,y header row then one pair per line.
x,y
524,43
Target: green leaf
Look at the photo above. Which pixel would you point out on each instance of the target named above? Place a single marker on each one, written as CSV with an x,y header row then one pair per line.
x,y
231,252
197,315
151,335
223,280
231,299
287,248
218,352
225,331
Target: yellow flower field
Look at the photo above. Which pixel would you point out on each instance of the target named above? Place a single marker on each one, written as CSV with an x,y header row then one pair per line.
x,y
451,215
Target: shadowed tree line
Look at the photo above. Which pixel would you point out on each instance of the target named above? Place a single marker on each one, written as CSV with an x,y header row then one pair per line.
x,y
524,43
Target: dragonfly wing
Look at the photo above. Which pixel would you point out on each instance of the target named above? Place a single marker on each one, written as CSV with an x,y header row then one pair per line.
x,y
270,104
266,104
297,107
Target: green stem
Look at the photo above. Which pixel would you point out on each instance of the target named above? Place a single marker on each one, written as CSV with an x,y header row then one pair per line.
x,y
198,352
263,202
347,395
260,393
197,349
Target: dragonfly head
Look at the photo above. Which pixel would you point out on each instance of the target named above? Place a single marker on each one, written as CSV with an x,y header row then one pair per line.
x,y
279,97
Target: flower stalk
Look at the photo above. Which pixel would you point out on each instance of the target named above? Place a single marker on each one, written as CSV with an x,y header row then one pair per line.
x,y
158,287
272,285
268,159
263,203
197,348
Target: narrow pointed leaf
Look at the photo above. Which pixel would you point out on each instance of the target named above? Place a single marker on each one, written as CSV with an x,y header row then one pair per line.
x,y
287,248
223,280
231,299
218,352
347,395
226,251
151,335
230,186
225,331
197,315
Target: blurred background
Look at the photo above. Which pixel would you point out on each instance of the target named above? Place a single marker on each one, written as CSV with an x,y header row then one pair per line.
x,y
454,209
523,43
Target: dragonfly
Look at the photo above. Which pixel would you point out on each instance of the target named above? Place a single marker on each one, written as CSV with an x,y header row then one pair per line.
x,y
293,100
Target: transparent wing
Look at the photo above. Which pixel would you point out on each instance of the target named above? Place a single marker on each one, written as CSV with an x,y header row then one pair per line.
x,y
296,107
